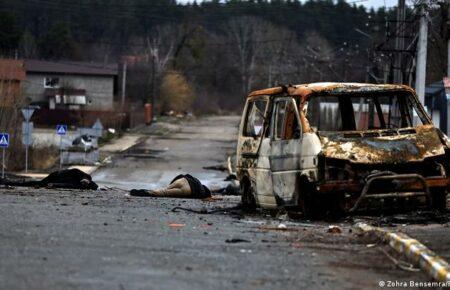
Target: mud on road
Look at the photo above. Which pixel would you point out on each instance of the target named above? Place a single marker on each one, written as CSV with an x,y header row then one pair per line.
x,y
105,239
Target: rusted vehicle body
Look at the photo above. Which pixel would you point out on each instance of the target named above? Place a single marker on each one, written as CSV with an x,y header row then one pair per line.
x,y
347,145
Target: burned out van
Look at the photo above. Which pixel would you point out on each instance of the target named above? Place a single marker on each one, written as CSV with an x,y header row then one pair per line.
x,y
343,145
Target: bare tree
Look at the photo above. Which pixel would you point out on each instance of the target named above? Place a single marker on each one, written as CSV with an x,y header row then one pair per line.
x,y
154,55
319,57
245,34
160,46
279,51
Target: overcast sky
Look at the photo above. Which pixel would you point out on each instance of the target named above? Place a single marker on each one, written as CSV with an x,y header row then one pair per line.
x,y
367,3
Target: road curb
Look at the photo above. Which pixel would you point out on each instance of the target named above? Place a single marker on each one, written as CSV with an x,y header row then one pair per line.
x,y
419,254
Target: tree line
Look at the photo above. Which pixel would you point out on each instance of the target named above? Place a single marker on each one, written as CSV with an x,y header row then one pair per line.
x,y
213,52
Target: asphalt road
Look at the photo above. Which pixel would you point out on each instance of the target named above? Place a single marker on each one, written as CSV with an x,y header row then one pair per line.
x,y
189,148
66,239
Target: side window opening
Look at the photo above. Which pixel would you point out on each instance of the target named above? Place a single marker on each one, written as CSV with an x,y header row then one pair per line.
x,y
360,112
255,118
286,124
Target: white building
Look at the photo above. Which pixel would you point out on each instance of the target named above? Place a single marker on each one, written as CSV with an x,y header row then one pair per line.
x,y
71,85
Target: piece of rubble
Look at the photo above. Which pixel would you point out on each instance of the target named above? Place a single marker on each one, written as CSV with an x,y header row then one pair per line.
x,y
175,225
236,240
334,230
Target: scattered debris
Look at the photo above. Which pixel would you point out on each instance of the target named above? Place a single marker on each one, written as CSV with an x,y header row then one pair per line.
x,y
200,211
206,211
235,241
282,226
175,225
245,251
334,230
216,167
416,217
278,228
282,216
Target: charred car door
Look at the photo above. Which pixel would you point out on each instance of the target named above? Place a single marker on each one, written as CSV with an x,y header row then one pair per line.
x,y
253,150
285,147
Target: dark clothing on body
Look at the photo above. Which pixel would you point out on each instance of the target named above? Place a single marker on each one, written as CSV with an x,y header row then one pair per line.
x,y
69,178
197,188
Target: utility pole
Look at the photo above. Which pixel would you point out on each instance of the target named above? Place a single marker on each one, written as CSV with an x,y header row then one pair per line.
x,y
124,83
448,38
153,83
421,64
399,42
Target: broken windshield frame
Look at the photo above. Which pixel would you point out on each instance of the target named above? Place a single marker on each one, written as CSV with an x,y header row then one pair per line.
x,y
361,112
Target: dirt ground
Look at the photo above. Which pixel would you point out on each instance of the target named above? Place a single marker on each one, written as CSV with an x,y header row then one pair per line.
x,y
105,239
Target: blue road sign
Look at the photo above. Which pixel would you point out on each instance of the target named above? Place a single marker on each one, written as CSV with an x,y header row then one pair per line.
x,y
4,140
61,129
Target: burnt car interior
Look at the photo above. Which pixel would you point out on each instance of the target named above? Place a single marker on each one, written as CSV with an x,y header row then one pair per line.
x,y
285,123
362,112
284,126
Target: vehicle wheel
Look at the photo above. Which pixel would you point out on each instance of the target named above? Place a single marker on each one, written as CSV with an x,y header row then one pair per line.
x,y
439,199
247,197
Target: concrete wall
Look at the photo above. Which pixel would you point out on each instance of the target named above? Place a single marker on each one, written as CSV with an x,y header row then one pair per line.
x,y
99,89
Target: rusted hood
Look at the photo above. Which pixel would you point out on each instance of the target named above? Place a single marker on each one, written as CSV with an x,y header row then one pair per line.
x,y
381,146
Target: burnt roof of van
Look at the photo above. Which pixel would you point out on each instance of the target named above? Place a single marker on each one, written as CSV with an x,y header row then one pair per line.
x,y
305,90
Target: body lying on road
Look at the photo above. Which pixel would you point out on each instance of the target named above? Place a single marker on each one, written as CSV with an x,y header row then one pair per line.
x,y
69,178
184,186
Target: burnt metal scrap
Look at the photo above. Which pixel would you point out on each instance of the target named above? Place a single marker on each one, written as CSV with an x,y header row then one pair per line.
x,y
346,145
396,146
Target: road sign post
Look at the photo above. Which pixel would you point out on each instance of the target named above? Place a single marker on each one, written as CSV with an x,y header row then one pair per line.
x,y
60,152
26,146
61,130
4,143
3,162
26,131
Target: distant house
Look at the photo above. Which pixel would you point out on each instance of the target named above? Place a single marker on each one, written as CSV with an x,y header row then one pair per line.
x,y
68,85
12,74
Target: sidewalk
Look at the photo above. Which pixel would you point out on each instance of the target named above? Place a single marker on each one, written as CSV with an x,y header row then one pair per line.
x,y
115,146
121,144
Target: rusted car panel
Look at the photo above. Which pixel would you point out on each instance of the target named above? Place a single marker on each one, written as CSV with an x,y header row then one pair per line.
x,y
345,140
406,145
